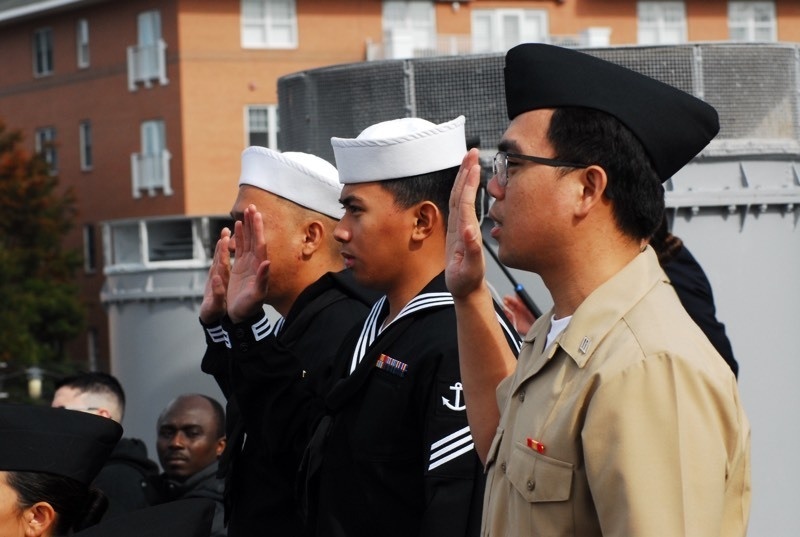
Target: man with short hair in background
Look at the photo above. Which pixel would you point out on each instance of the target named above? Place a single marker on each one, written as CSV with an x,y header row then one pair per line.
x,y
190,439
125,477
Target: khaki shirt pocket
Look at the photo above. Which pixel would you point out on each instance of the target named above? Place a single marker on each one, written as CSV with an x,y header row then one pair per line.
x,y
538,478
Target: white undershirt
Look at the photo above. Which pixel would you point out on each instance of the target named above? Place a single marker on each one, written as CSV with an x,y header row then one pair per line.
x,y
556,327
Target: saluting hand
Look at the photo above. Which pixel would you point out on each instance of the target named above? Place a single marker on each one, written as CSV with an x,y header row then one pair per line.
x,y
247,288
213,307
465,263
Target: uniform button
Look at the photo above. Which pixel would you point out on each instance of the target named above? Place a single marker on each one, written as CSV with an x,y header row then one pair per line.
x,y
503,467
521,397
531,484
244,347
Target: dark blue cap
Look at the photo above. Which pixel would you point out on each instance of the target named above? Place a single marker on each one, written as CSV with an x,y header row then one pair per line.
x,y
55,440
672,125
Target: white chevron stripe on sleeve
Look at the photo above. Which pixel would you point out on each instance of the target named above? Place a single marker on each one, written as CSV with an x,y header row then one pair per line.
x,y
450,447
262,328
219,335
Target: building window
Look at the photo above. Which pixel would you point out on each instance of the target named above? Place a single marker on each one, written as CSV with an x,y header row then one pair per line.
x,y
82,42
262,125
45,145
147,60
752,21
661,23
408,26
170,240
85,140
150,168
269,24
89,249
497,30
43,52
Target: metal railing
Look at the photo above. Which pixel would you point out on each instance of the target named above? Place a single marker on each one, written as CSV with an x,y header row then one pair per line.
x,y
147,63
401,46
150,172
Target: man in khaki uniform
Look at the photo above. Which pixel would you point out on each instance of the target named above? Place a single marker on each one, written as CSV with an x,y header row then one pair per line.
x,y
620,418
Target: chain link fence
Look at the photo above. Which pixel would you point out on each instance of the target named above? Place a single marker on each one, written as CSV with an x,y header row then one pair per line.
x,y
754,87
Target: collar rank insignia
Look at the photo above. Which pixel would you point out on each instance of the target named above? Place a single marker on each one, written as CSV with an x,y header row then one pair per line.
x,y
390,365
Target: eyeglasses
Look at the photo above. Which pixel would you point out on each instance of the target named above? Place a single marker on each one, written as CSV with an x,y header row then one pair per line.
x,y
500,164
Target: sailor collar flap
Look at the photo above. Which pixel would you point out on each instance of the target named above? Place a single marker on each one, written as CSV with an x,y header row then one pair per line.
x,y
372,338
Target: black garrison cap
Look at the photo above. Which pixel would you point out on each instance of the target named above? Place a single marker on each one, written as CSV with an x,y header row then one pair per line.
x,y
190,517
55,440
672,125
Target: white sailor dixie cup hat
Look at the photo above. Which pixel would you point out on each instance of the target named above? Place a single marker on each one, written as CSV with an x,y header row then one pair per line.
x,y
304,179
400,148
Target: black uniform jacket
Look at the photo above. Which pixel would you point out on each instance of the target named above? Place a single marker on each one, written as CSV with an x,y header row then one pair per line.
x,y
251,362
204,484
126,477
393,454
694,291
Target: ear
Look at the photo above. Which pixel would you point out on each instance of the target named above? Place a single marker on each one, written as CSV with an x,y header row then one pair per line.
x,y
427,218
313,235
103,412
220,446
39,519
592,185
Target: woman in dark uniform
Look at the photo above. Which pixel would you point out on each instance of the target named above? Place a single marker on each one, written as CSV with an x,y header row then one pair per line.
x,y
48,459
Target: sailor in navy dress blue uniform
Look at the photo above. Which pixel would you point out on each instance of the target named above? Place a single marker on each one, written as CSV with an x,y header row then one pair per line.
x,y
392,453
295,197
398,457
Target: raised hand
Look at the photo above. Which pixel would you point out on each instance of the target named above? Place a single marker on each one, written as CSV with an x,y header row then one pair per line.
x,y
249,276
465,263
519,314
213,308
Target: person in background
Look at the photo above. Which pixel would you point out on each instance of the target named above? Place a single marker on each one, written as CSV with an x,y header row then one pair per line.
x,y
190,439
125,477
294,198
619,418
48,460
693,288
192,517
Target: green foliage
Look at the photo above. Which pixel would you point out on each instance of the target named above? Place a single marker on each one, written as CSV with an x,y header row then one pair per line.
x,y
40,308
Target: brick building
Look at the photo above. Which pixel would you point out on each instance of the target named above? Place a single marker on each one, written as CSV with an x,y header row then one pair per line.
x,y
143,106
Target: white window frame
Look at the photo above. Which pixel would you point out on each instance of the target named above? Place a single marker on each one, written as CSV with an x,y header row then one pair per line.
x,y
408,25
82,43
661,23
150,169
254,125
532,26
44,144
42,52
86,145
742,18
147,60
263,27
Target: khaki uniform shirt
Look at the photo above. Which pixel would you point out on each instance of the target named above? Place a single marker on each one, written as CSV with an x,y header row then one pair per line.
x,y
630,424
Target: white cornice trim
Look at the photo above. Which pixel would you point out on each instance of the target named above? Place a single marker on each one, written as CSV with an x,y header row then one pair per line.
x,y
32,8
